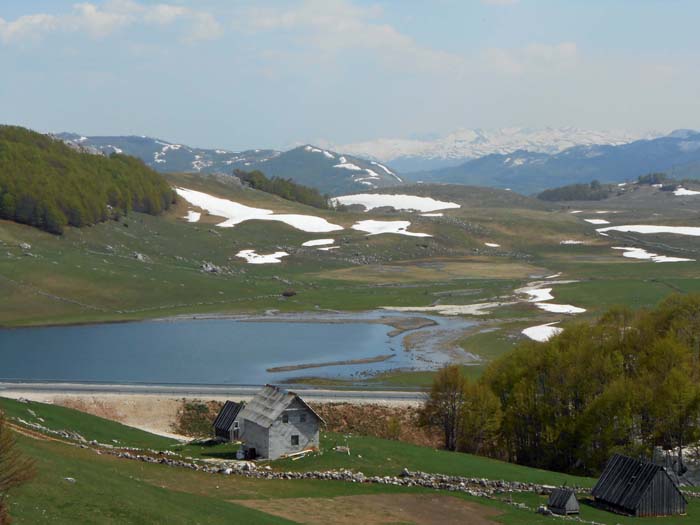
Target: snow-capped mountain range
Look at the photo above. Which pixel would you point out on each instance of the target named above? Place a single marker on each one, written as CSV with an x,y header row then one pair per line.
x,y
464,144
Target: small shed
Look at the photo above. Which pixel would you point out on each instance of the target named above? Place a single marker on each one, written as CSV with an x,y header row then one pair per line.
x,y
226,425
638,488
277,422
563,501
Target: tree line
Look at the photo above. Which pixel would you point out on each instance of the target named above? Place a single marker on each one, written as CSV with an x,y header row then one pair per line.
x,y
285,188
46,184
626,383
595,191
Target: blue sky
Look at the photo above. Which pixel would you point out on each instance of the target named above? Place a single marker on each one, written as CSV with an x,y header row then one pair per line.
x,y
239,74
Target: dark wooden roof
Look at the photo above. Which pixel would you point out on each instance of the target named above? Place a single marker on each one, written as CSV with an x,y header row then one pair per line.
x,y
560,497
624,481
227,415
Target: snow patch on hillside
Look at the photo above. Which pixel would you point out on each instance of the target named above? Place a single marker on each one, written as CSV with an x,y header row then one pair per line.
x,y
372,227
640,253
192,216
254,258
399,202
318,242
683,192
236,213
542,333
693,231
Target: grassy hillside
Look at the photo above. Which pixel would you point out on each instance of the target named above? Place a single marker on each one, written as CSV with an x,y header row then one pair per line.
x,y
111,490
46,184
145,266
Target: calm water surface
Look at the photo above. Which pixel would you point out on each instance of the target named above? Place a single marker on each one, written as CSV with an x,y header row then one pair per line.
x,y
197,351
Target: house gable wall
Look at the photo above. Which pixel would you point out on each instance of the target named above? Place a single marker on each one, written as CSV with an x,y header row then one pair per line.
x,y
281,433
661,498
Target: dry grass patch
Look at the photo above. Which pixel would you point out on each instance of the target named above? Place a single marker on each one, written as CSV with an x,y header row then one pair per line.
x,y
380,509
436,270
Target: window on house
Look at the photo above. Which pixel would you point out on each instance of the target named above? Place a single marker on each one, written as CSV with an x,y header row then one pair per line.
x,y
285,418
302,418
295,440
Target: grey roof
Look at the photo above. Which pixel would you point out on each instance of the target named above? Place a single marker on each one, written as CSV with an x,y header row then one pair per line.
x,y
227,415
267,405
559,498
625,480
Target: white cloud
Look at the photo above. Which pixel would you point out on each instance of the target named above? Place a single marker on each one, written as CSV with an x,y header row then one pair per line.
x,y
204,27
29,27
101,20
533,57
334,26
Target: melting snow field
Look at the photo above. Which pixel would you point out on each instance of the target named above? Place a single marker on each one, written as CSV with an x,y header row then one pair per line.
x,y
376,227
450,309
492,245
192,216
543,332
254,258
537,294
432,214
398,202
640,253
682,192
570,242
597,221
560,308
329,248
236,213
693,231
318,242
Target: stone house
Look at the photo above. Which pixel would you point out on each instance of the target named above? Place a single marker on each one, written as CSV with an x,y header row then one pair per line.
x,y
277,422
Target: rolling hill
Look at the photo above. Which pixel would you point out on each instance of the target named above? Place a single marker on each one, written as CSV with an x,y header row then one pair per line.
x,y
46,184
525,171
327,171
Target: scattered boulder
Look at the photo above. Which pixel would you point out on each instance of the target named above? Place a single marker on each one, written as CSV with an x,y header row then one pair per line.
x,y
209,267
141,257
25,246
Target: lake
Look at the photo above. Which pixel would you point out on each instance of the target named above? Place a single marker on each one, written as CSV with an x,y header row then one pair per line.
x,y
212,351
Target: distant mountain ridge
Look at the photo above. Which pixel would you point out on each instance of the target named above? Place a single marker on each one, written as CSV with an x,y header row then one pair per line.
x,y
465,144
678,154
168,156
328,171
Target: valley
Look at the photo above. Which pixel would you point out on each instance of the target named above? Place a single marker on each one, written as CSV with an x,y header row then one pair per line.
x,y
503,263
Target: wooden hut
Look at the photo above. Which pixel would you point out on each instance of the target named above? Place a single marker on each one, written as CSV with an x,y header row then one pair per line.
x,y
563,501
638,488
226,425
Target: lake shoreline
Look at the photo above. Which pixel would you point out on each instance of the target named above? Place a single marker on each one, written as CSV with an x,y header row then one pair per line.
x,y
400,324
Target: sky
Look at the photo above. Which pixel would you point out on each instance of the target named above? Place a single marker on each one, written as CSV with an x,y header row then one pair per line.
x,y
241,74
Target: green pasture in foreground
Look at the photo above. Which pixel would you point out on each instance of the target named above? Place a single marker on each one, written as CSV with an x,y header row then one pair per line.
x,y
90,427
111,490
